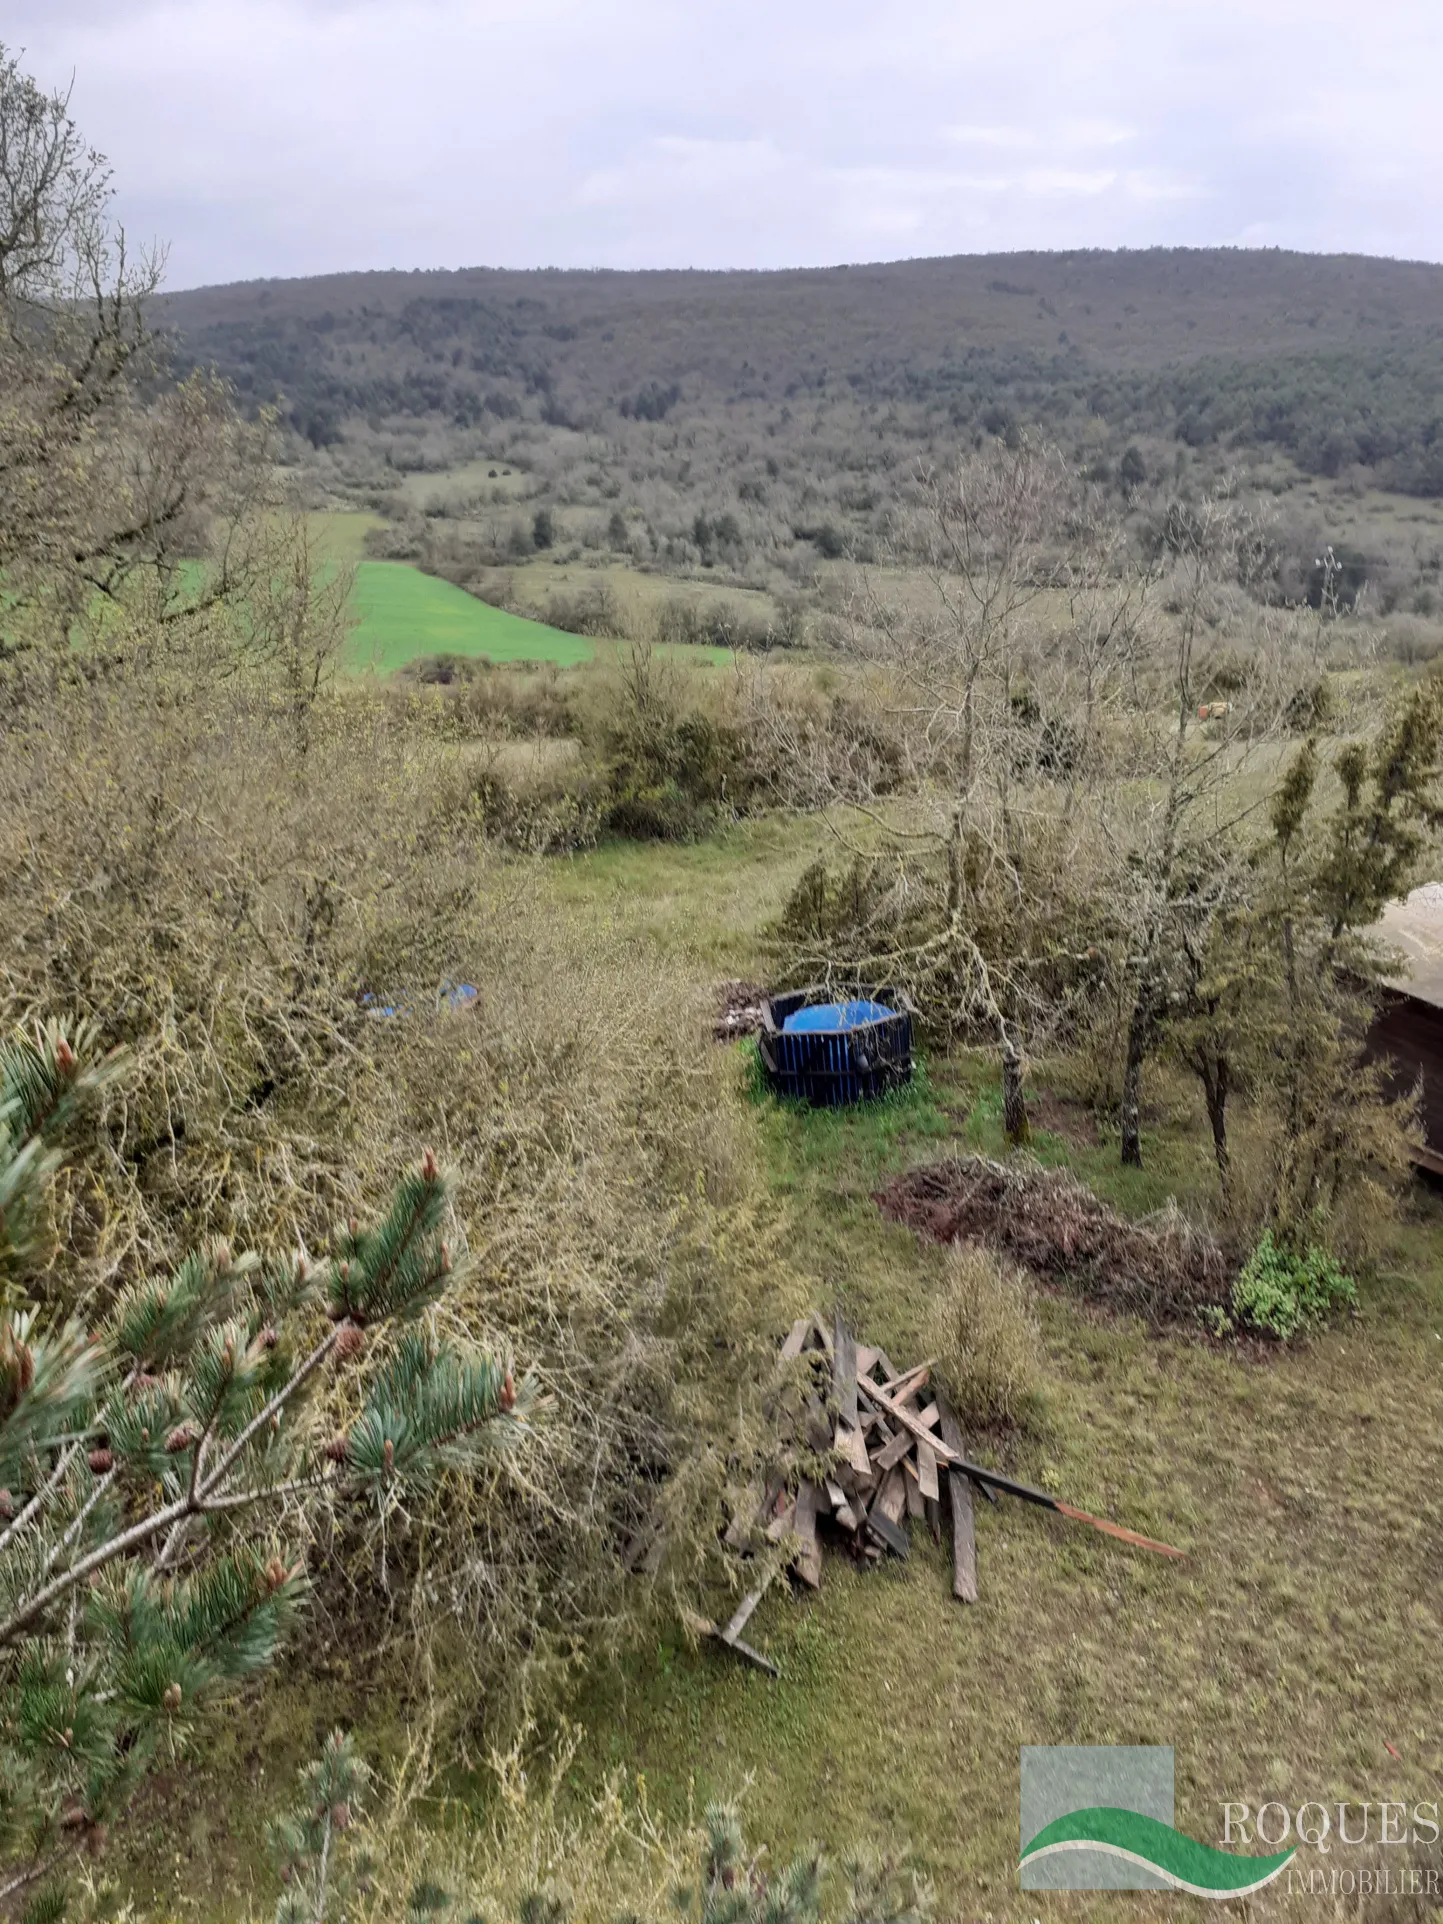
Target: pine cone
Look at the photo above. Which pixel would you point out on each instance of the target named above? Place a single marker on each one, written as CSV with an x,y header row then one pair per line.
x,y
428,1166
338,1449
508,1393
181,1438
171,1699
275,1574
268,1338
64,1057
388,1454
341,1816
101,1460
350,1342
7,1505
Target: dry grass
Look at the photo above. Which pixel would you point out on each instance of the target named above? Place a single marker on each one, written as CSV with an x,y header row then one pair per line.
x,y
982,1328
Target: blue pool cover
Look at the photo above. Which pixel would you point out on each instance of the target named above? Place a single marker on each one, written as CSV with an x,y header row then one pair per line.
x,y
832,1017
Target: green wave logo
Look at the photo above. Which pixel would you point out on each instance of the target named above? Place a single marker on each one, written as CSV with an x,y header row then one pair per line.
x,y
1186,1864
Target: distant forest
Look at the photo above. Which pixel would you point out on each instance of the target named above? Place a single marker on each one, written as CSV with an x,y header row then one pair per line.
x,y
1334,363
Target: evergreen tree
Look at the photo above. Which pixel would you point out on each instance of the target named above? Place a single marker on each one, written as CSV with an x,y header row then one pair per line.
x,y
146,1459
305,1842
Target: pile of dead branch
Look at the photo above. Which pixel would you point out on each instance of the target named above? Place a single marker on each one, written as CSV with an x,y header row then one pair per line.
x,y
739,1010
1165,1269
882,1442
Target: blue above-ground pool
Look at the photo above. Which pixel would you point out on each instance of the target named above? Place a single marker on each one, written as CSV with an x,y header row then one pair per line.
x,y
835,1016
831,1051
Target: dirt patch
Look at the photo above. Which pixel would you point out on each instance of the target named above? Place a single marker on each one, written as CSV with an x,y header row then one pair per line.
x,y
739,1010
1073,1121
1165,1268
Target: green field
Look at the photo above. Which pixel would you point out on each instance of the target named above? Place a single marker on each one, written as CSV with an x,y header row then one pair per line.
x,y
404,614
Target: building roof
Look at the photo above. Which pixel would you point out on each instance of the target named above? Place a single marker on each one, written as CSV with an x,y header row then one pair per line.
x,y
1415,927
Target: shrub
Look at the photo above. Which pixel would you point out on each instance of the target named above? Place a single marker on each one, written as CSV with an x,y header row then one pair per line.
x,y
233,897
1132,471
983,1332
1282,1292
593,611
546,1857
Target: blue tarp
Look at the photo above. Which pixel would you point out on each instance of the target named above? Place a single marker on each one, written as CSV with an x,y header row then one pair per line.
x,y
832,1017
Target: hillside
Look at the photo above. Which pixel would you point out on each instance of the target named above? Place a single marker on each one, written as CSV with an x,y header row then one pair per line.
x,y
1332,361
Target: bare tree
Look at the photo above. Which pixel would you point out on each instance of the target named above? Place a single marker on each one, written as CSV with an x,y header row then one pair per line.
x,y
948,627
1174,837
106,471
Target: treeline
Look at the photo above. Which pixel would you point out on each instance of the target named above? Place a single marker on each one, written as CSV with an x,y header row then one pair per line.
x,y
458,361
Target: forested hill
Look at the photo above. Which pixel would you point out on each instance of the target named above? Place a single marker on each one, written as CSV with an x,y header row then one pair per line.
x,y
1335,360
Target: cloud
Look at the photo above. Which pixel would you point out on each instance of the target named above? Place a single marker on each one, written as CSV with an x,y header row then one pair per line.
x,y
298,136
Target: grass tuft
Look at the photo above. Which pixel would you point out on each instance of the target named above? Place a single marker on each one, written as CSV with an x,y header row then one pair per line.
x,y
984,1334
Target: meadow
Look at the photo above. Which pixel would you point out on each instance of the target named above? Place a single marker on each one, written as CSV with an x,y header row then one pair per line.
x,y
402,614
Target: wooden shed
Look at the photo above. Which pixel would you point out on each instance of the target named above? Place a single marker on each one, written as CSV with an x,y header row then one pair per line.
x,y
1409,1025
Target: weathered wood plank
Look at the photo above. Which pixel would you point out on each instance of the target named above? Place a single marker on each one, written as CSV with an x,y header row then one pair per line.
x,y
796,1336
927,1470
888,1532
908,1420
902,1444
891,1498
913,1495
745,1608
852,1445
905,1386
844,1372
809,1558
964,1525
782,1524
841,1508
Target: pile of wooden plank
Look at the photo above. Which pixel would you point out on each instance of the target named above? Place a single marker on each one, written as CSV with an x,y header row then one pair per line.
x,y
893,1435
890,1451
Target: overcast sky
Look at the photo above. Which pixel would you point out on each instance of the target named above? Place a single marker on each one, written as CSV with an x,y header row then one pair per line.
x,y
282,137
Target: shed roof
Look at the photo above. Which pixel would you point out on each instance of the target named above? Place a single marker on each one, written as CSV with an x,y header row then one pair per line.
x,y
1415,926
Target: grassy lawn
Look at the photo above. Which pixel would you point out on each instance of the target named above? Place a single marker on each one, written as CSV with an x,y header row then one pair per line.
x,y
1281,1660
1297,1643
404,614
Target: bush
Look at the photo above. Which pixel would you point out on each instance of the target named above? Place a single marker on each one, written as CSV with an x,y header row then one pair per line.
x,y
983,1332
593,610
234,895
547,1857
1282,1292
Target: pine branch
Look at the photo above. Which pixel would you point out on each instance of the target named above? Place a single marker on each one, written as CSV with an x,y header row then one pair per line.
x,y
277,1403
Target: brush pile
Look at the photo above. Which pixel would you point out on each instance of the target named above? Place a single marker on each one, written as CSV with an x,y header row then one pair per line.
x,y
1163,1269
877,1447
739,1010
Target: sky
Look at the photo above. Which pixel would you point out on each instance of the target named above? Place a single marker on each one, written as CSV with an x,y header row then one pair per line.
x,y
291,137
